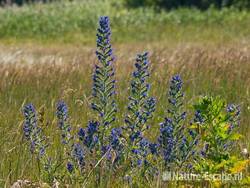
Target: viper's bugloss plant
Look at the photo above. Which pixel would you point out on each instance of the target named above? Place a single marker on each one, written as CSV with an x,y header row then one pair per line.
x,y
66,134
177,141
30,121
140,110
38,143
63,122
103,90
32,132
141,106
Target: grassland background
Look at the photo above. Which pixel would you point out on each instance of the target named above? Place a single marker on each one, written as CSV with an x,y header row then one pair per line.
x,y
47,53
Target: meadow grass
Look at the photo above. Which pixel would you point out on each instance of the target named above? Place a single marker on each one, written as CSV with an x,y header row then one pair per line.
x,y
222,71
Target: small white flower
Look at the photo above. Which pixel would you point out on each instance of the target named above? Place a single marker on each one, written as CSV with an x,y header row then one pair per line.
x,y
244,151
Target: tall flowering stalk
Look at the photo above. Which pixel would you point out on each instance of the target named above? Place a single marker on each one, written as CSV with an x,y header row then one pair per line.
x,y
175,99
33,132
177,141
66,136
141,106
34,135
171,131
140,110
103,79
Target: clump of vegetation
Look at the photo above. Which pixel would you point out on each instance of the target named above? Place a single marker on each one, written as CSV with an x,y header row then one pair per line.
x,y
75,21
201,4
108,148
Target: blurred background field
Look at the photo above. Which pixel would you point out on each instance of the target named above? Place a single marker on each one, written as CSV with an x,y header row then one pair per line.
x,y
75,22
47,53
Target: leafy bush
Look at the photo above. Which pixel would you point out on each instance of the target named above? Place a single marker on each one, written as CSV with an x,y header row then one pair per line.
x,y
107,148
217,125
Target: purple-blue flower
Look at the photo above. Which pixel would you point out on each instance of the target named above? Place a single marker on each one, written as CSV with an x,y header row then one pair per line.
x,y
167,141
89,136
32,132
233,112
78,154
198,117
70,167
63,122
30,120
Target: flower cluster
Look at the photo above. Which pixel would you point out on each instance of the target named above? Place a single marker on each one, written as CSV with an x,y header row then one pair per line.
x,y
117,145
89,136
30,121
167,141
141,105
78,155
32,132
142,152
233,116
198,117
175,99
63,124
177,141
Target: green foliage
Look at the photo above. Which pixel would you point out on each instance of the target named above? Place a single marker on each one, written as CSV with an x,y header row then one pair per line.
x,y
201,4
77,21
21,2
219,135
